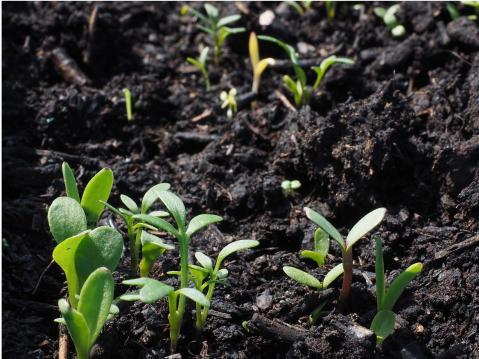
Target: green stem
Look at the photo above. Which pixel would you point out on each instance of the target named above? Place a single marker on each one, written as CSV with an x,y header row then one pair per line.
x,y
132,245
347,277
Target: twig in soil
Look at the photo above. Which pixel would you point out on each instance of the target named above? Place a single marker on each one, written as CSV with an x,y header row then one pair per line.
x,y
457,247
201,116
68,157
41,277
91,34
68,67
62,342
285,101
277,329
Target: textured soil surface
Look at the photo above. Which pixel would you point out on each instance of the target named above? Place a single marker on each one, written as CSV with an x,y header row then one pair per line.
x,y
399,129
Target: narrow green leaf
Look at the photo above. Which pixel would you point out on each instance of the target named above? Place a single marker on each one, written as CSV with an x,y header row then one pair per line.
x,y
228,20
332,275
151,290
235,247
159,214
77,327
379,268
364,225
66,218
202,221
380,12
203,56
204,260
195,295
96,297
315,256
302,277
129,203
113,209
383,324
321,243
211,11
325,225
175,206
394,291
157,222
150,196
98,189
195,62
70,182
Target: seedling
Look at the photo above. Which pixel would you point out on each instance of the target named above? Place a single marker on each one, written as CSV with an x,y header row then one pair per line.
x,y
229,101
300,6
258,65
383,323
359,230
389,17
454,12
200,63
206,276
135,229
301,91
330,10
289,187
183,233
94,308
215,25
128,104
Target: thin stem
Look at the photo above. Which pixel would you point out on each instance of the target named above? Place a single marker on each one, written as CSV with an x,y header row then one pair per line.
x,y
347,277
132,245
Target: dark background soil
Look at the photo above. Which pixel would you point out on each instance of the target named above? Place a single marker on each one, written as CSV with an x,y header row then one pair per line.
x,y
399,129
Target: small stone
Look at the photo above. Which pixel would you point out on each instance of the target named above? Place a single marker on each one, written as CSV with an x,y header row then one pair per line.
x,y
266,18
419,329
265,300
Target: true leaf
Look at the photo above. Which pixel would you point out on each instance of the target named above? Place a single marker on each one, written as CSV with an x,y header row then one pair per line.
x,y
394,291
129,203
202,221
364,225
383,324
66,218
379,268
98,189
150,196
175,206
302,277
235,247
315,256
204,260
325,225
70,182
211,10
195,295
332,275
96,297
151,290
321,243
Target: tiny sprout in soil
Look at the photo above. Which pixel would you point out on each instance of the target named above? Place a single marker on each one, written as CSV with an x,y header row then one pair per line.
x,y
289,187
258,65
389,17
300,6
229,101
128,104
200,63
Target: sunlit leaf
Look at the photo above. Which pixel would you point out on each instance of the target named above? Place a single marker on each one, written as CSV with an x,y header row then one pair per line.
x,y
66,218
129,203
98,189
175,206
325,225
383,324
235,247
204,260
332,275
364,225
70,182
150,196
202,221
195,295
302,277
150,291
394,291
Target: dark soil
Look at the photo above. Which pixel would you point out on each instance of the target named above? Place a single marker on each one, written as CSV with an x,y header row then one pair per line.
x,y
399,129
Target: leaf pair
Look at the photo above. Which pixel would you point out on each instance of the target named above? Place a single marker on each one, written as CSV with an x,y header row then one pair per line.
x,y
307,279
82,254
389,17
86,321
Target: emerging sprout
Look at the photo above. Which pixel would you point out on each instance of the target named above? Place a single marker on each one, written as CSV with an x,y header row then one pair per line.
x,y
389,18
215,25
206,276
330,9
135,229
258,65
454,12
359,230
301,91
229,101
183,233
94,308
383,323
300,6
128,104
290,186
200,63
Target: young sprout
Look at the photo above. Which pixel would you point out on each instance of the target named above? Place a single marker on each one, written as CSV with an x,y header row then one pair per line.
x,y
128,104
454,12
359,230
300,6
301,91
290,186
209,274
384,320
135,228
258,65
200,63
85,322
330,10
215,25
389,17
183,233
229,101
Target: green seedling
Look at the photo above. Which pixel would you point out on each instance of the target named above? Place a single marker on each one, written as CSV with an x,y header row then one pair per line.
x,y
216,26
330,10
302,93
135,228
208,274
359,230
128,104
68,216
389,17
257,65
85,322
229,101
384,320
200,63
289,187
300,6
455,14
152,247
183,233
